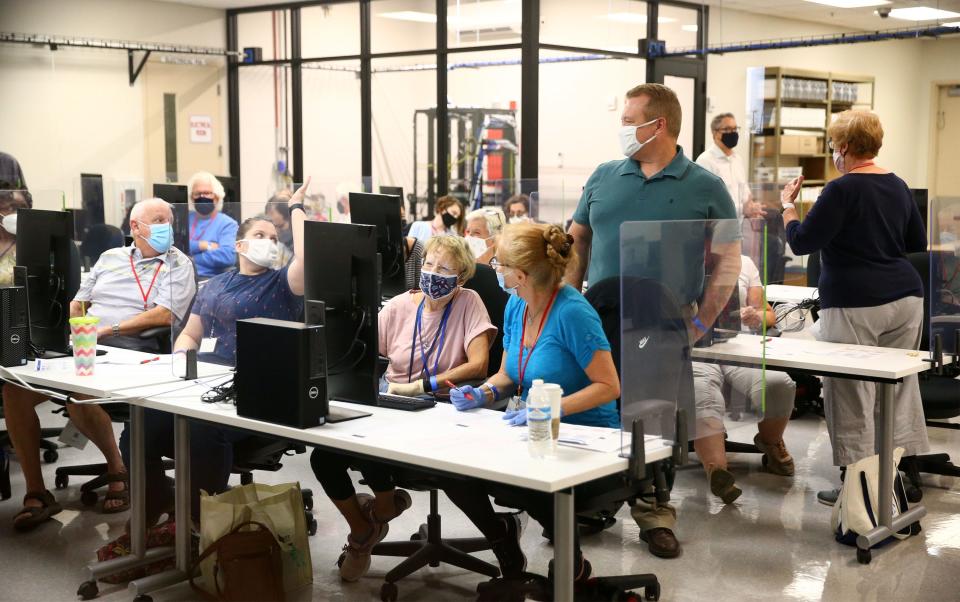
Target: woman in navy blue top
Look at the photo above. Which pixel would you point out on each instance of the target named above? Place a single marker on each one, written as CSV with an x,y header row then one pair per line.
x,y
864,224
254,290
550,332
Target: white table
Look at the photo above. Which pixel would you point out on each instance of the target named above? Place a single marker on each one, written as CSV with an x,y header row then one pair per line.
x,y
784,293
438,439
882,365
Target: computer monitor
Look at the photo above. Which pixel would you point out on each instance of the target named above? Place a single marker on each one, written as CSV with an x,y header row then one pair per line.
x,y
51,260
231,196
343,274
91,199
920,198
398,191
176,195
383,211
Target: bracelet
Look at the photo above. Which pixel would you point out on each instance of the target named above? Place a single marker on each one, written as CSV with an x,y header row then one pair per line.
x,y
433,383
496,393
425,384
698,323
787,206
297,206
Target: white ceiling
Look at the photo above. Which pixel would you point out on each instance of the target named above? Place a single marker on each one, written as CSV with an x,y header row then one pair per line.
x,y
853,18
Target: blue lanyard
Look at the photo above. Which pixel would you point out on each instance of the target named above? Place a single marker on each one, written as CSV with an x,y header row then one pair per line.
x,y
418,340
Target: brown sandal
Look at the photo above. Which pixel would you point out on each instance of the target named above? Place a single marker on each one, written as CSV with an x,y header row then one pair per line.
x,y
123,495
34,515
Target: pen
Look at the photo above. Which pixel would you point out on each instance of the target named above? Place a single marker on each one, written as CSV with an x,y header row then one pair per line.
x,y
152,359
453,386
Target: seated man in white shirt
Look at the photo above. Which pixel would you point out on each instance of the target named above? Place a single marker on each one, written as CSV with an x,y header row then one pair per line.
x,y
722,161
747,383
130,289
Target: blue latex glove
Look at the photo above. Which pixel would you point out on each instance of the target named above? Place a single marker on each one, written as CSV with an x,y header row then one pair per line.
x,y
466,398
516,417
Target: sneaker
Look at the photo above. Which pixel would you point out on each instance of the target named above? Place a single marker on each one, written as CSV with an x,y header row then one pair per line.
x,y
722,484
401,502
355,560
776,458
828,497
507,549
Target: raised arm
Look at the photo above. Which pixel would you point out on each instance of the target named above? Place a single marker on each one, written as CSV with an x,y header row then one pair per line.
x,y
297,218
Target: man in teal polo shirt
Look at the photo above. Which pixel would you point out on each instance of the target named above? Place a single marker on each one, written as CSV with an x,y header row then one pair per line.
x,y
655,182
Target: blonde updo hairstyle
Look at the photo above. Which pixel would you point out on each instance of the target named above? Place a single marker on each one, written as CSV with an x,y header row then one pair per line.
x,y
543,251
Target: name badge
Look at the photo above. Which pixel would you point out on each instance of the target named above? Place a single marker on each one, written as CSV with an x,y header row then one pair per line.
x,y
208,345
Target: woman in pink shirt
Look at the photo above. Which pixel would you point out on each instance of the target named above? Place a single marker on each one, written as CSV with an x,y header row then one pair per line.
x,y
438,333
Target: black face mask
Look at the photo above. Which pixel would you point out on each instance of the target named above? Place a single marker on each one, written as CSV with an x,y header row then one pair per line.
x,y
730,139
448,220
204,205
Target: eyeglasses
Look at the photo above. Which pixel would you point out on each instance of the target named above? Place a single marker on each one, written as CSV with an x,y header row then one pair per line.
x,y
733,130
497,264
429,266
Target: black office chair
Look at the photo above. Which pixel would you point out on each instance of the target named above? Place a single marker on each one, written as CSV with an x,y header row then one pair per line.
x,y
484,282
939,388
99,238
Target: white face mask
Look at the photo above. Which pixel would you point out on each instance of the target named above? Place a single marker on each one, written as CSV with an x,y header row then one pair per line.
x,y
628,138
261,251
10,223
477,245
838,161
518,219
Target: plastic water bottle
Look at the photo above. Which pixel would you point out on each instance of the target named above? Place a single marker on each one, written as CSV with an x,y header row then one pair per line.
x,y
538,421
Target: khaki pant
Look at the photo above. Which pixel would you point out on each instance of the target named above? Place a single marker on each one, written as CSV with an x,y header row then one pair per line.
x,y
653,515
852,407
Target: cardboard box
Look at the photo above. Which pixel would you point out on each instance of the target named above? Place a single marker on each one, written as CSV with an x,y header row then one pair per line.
x,y
800,145
766,146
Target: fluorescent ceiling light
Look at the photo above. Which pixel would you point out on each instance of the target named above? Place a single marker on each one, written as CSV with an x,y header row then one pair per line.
x,y
411,15
850,3
633,18
922,13
690,28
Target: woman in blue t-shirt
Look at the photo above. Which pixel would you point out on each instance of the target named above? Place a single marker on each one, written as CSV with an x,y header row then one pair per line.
x,y
550,332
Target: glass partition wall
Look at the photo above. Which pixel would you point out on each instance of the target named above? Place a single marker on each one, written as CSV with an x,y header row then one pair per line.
x,y
433,96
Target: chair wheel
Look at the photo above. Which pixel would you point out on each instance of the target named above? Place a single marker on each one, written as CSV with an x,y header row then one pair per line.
x,y
88,590
88,498
308,502
863,556
50,456
389,592
652,592
61,481
914,494
311,525
246,478
915,528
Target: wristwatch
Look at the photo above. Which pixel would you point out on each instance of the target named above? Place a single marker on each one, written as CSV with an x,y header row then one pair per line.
x,y
786,206
116,329
297,206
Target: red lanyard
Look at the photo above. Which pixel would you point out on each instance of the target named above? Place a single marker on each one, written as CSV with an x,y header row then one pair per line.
x,y
140,286
522,365
193,227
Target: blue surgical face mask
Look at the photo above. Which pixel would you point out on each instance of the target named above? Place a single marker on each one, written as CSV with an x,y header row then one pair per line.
x,y
947,237
510,291
161,236
437,286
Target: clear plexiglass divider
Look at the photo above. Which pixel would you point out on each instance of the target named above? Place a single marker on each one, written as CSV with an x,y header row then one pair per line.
x,y
685,289
943,274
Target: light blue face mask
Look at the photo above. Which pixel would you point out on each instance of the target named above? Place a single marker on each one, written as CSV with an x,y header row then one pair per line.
x,y
947,238
161,236
500,281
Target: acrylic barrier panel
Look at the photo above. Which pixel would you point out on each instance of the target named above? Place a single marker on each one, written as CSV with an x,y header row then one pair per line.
x,y
944,272
549,200
686,284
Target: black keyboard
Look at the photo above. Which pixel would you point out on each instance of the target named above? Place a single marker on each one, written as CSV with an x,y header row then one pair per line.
x,y
402,402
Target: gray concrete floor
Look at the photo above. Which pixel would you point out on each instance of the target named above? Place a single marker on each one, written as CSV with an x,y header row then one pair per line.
x,y
774,543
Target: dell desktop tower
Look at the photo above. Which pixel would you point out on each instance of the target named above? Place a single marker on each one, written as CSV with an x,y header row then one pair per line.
x,y
14,328
281,372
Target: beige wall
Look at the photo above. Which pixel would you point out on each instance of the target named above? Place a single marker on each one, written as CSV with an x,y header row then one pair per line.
x,y
73,110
